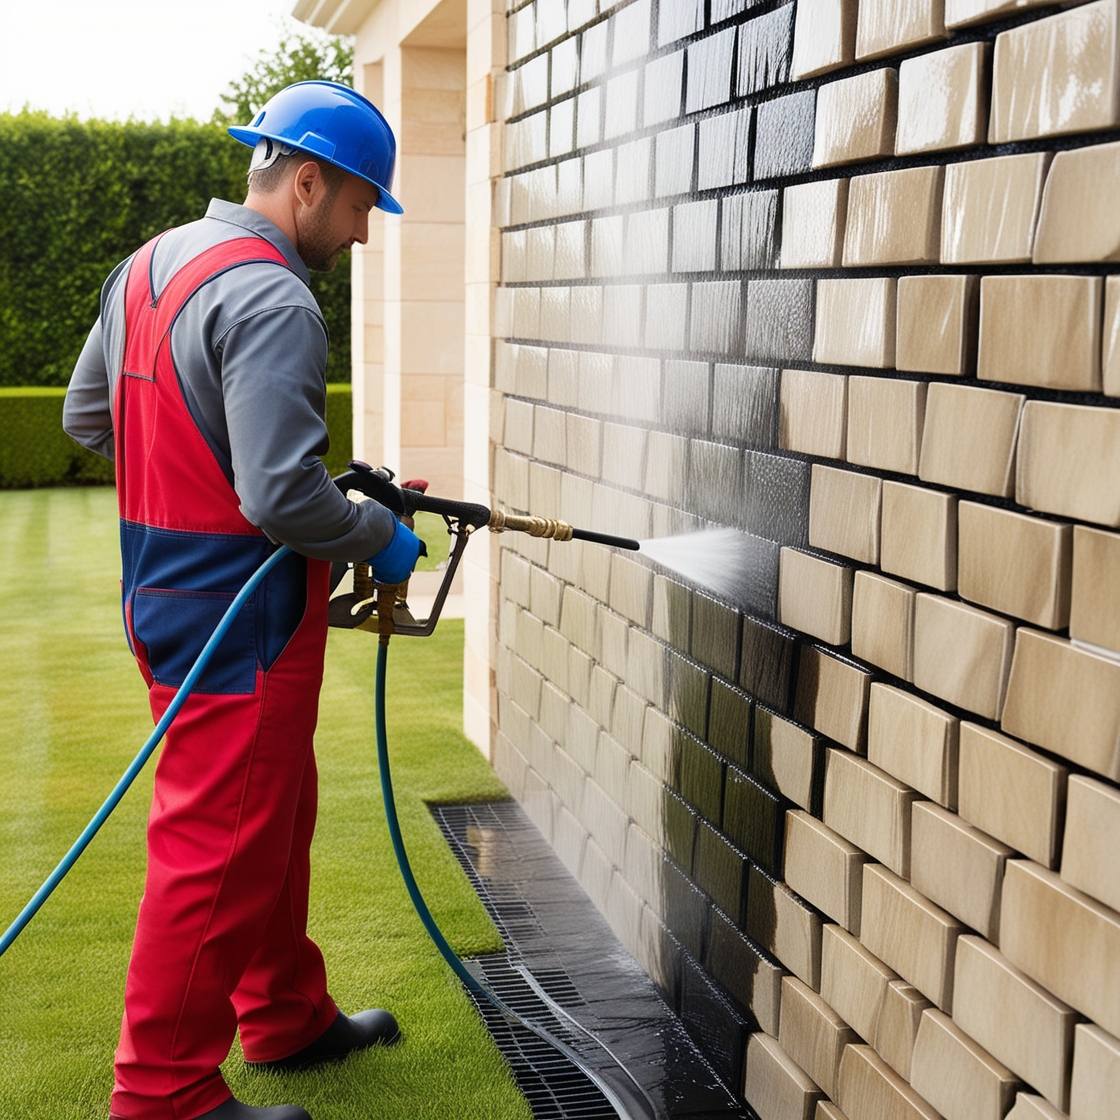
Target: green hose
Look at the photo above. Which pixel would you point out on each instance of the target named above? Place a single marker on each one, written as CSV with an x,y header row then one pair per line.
x,y
434,932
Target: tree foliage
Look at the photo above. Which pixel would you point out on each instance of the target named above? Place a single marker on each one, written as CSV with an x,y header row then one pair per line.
x,y
77,197
301,55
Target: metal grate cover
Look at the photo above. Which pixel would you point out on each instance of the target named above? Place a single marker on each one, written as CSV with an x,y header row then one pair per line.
x,y
564,970
554,1086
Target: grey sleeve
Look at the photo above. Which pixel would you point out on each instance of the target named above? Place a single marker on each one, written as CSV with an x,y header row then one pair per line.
x,y
86,412
274,394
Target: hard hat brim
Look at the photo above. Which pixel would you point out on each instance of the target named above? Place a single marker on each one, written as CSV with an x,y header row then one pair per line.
x,y
250,136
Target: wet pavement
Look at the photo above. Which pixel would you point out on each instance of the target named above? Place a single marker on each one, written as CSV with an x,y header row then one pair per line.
x,y
561,952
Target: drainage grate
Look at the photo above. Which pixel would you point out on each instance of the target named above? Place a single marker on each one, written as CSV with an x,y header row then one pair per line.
x,y
564,970
554,1086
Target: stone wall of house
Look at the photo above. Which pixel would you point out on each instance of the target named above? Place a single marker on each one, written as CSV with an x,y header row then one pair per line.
x,y
831,279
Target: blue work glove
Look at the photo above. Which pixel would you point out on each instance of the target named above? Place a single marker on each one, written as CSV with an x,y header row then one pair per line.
x,y
394,563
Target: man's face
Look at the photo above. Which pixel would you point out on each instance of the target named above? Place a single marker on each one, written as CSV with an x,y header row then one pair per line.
x,y
335,219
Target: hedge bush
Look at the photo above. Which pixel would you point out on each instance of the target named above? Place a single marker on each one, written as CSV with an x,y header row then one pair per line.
x,y
35,451
77,197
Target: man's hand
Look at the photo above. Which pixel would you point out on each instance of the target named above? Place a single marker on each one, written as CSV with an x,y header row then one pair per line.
x,y
394,563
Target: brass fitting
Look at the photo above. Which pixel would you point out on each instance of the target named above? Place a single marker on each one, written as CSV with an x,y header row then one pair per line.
x,y
501,522
386,603
363,582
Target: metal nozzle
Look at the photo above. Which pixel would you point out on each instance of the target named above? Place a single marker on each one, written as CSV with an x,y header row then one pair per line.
x,y
501,522
558,530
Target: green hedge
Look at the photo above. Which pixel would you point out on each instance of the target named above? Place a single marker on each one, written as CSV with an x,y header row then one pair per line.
x,y
77,197
35,451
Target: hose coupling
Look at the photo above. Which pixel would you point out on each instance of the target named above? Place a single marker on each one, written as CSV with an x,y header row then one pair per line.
x,y
501,522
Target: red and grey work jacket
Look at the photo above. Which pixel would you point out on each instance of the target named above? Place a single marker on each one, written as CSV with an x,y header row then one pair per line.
x,y
204,380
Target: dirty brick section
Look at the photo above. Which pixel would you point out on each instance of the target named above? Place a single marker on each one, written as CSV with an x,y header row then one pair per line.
x,y
830,274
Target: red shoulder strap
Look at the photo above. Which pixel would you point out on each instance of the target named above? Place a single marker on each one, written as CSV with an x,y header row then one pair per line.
x,y
150,316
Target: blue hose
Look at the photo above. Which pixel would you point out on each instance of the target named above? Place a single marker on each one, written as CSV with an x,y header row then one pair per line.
x,y
129,776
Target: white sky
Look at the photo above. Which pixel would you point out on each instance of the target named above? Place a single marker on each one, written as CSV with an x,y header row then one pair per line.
x,y
118,58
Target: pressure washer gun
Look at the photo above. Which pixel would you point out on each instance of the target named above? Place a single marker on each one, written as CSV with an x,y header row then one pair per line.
x,y
355,609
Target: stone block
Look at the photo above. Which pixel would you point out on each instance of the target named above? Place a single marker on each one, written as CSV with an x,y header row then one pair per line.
x,y
942,100
824,868
720,871
787,758
844,512
990,207
919,534
958,1076
1096,1073
1092,829
909,933
854,981
883,623
1041,330
1063,939
813,217
784,135
815,596
894,217
748,973
885,419
1080,219
961,654
969,438
832,695
785,926
1065,700
1012,793
779,320
776,1087
936,324
958,867
1015,564
1067,457
1056,75
813,410
824,37
869,1087
753,817
890,26
855,322
914,741
1017,1021
856,118
812,1034
869,808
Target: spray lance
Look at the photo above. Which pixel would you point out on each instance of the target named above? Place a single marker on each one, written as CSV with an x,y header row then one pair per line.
x,y
356,609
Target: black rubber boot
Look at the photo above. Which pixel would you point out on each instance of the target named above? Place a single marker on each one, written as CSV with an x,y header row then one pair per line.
x,y
345,1036
235,1110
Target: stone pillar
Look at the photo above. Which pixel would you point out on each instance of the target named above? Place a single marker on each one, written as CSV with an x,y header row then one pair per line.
x,y
424,94
367,311
486,57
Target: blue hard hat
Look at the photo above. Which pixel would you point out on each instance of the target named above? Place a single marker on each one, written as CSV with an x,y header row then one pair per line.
x,y
333,123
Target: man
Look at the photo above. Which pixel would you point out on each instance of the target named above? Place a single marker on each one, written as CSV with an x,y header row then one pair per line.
x,y
204,379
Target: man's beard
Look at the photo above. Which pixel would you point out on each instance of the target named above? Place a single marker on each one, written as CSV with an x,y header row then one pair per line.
x,y
317,248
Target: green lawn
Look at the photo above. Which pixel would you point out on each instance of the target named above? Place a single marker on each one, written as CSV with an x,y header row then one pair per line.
x,y
73,712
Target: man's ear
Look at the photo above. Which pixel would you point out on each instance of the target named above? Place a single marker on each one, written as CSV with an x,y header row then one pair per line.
x,y
308,182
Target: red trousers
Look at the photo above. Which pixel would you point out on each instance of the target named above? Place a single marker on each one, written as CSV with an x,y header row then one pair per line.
x,y
221,942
